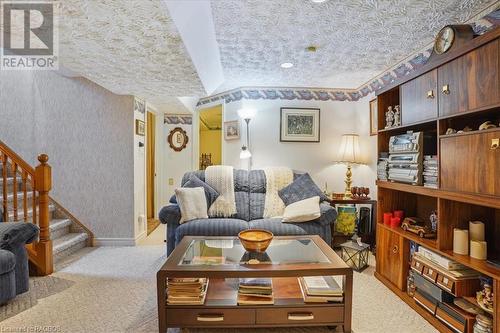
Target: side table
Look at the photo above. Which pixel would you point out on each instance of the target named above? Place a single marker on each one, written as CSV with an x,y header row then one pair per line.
x,y
369,237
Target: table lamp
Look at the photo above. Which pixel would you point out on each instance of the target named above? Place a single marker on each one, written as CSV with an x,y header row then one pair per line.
x,y
349,154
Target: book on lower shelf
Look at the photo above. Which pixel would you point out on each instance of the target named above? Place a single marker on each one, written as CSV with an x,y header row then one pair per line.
x,y
255,291
187,291
430,173
321,289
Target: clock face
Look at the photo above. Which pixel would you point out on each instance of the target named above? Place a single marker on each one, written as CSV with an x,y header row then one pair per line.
x,y
444,40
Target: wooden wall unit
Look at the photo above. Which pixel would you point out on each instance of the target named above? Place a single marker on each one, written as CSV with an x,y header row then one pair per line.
x,y
420,99
478,176
472,81
392,254
469,167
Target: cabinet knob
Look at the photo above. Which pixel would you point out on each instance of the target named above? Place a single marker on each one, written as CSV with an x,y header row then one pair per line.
x,y
446,89
395,249
430,94
495,143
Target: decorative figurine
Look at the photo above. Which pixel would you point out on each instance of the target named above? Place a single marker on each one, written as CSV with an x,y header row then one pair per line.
x,y
397,116
389,117
434,219
485,298
466,129
418,226
486,125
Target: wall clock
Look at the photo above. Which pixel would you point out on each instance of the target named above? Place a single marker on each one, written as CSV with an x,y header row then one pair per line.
x,y
178,139
452,36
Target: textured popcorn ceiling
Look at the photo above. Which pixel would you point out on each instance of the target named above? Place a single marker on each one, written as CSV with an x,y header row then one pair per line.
x,y
129,47
356,39
133,47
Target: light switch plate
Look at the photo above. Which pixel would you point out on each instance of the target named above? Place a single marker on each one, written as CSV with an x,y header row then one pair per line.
x,y
170,181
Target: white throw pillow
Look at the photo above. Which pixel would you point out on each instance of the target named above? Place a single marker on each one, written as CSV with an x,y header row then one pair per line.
x,y
302,211
192,203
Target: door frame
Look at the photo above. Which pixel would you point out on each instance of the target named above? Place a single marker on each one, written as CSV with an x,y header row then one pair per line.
x,y
151,165
196,132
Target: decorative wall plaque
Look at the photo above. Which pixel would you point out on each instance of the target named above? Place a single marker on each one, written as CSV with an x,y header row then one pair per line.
x,y
178,139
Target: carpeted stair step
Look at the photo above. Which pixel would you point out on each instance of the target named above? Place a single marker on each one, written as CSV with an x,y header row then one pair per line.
x,y
20,212
10,183
20,197
68,244
59,228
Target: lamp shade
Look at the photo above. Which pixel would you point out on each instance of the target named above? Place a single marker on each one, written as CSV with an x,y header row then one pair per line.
x,y
349,149
245,153
247,113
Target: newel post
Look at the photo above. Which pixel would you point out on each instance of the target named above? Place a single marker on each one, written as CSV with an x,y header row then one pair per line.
x,y
43,185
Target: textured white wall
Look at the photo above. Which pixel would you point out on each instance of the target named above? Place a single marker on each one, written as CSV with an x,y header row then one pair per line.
x,y
337,118
140,221
87,133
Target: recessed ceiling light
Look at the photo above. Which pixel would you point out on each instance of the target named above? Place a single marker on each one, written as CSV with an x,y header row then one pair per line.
x,y
286,65
319,1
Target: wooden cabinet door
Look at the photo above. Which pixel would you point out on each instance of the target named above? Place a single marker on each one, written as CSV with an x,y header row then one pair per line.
x,y
470,82
419,99
391,254
469,164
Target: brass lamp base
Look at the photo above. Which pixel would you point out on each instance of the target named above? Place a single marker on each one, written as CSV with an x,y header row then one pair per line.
x,y
348,183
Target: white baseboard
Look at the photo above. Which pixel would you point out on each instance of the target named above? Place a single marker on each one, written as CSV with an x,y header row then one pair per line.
x,y
114,241
141,236
119,241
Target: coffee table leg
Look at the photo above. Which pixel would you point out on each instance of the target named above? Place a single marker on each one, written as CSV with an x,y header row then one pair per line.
x,y
348,302
161,287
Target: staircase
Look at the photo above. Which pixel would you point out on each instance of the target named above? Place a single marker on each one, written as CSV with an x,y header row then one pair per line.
x,y
21,202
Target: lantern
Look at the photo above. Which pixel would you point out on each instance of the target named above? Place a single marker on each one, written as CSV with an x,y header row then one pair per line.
x,y
355,255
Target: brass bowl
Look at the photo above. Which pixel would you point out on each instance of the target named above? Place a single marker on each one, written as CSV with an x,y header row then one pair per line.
x,y
255,240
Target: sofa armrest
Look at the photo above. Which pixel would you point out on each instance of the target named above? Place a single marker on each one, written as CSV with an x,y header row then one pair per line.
x,y
170,215
328,214
13,234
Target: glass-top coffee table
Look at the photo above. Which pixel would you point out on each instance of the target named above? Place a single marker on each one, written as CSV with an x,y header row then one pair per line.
x,y
223,260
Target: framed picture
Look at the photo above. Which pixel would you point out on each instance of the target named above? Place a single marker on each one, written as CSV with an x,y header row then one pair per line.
x,y
299,125
232,130
373,117
140,128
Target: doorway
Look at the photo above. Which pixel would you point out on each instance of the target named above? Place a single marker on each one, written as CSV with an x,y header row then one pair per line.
x,y
152,223
210,137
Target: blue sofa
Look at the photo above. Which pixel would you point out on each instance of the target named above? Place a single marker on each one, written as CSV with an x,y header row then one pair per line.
x,y
250,191
14,271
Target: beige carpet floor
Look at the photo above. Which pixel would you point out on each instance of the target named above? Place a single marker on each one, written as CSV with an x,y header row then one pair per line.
x,y
113,289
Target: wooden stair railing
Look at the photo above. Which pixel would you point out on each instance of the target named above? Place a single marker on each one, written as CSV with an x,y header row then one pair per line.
x,y
38,183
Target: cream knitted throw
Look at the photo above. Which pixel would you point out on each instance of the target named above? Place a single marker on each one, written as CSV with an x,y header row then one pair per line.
x,y
220,177
276,179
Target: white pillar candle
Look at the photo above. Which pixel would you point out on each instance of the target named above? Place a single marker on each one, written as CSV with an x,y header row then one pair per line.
x,y
460,241
476,230
478,249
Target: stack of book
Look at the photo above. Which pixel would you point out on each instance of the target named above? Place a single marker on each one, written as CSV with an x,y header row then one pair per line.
x,y
382,165
443,262
255,291
321,289
186,291
430,171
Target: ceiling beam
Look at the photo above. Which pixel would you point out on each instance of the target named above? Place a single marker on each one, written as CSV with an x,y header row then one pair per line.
x,y
194,21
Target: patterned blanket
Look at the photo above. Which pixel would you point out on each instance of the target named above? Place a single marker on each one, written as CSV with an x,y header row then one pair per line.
x,y
276,179
220,177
